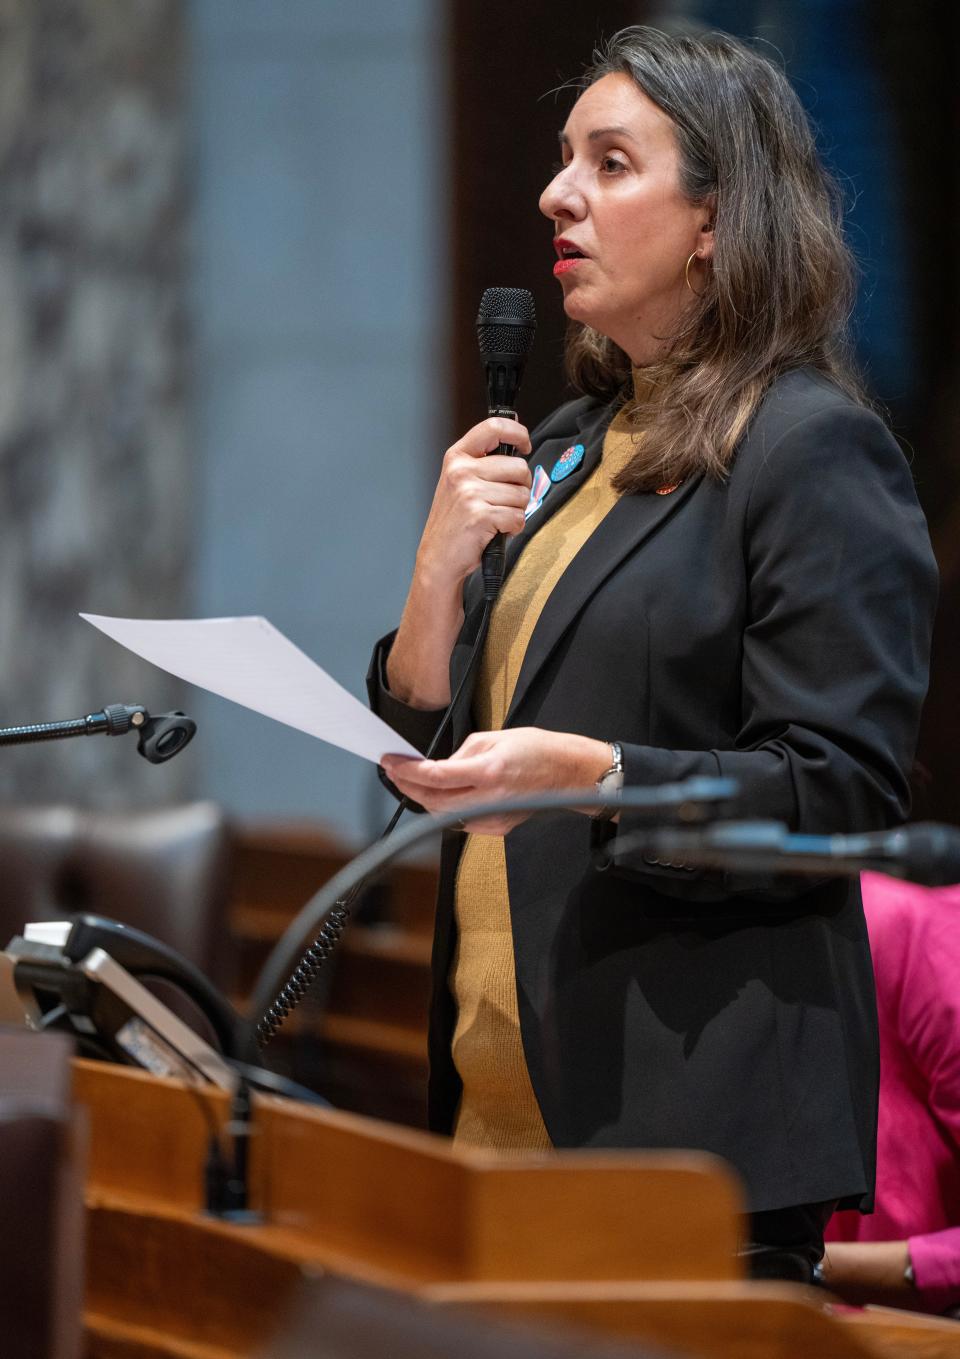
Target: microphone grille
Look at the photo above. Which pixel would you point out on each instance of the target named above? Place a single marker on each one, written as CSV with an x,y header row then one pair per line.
x,y
507,321
928,853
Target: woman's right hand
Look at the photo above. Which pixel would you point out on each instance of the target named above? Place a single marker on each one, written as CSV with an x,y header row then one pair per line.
x,y
476,497
479,493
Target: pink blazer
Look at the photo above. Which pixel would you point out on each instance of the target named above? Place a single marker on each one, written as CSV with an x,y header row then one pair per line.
x,y
915,941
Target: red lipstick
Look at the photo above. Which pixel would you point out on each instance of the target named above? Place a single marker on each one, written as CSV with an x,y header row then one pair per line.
x,y
568,253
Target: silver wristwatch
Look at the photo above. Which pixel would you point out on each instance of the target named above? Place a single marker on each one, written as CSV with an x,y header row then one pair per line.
x,y
610,783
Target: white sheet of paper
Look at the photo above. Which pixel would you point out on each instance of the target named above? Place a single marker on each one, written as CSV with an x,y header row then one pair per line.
x,y
250,662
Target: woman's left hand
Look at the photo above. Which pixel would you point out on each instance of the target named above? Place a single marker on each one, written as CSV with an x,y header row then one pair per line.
x,y
491,765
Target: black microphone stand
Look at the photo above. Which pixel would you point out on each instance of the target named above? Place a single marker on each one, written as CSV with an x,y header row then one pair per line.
x,y
697,799
160,737
923,852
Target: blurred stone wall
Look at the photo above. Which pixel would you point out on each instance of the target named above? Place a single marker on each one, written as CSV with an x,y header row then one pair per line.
x,y
95,481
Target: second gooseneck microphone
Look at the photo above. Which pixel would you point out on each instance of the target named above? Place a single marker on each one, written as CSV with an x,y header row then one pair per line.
x,y
506,325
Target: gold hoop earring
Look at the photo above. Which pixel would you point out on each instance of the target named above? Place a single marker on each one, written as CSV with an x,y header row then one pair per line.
x,y
686,273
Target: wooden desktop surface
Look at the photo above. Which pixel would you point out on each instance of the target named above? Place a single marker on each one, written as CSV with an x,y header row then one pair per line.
x,y
640,1246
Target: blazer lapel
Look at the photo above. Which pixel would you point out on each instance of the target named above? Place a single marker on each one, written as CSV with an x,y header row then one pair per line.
x,y
591,435
624,529
627,526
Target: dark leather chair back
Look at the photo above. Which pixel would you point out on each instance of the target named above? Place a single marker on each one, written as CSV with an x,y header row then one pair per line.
x,y
166,872
41,1189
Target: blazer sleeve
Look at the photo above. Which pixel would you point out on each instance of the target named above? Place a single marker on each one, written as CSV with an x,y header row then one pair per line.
x,y
841,585
419,726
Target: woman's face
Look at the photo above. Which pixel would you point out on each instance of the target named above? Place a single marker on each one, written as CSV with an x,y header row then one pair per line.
x,y
616,199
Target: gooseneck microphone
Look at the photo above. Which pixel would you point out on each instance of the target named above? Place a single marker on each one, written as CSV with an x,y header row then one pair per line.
x,y
506,325
925,853
159,738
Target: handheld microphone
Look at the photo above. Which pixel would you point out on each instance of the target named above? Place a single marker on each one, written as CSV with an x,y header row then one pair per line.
x,y
924,853
506,325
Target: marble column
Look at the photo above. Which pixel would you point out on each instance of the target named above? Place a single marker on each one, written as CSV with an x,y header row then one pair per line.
x,y
95,474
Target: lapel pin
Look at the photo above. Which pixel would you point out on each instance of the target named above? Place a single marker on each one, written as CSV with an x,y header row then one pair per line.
x,y
539,488
665,490
568,461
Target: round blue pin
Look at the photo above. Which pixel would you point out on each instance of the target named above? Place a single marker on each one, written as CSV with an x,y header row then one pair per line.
x,y
568,461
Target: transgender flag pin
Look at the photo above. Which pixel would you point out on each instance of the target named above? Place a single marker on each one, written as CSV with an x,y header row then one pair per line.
x,y
540,487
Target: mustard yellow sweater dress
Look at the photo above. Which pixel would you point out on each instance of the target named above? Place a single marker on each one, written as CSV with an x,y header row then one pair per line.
x,y
498,1108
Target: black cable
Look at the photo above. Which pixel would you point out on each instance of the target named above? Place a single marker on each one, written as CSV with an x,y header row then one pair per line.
x,y
225,1171
336,916
270,1082
216,1170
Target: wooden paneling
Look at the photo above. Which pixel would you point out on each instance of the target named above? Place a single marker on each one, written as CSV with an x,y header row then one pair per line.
x,y
718,1321
360,1036
508,64
639,1247
406,1207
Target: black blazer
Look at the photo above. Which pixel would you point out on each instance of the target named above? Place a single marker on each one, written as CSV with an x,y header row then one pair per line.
x,y
773,627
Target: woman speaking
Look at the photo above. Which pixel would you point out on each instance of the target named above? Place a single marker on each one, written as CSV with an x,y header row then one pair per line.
x,y
722,570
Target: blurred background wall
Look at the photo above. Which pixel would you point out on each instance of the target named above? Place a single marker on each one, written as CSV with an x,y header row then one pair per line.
x,y
241,252
318,292
222,321
96,464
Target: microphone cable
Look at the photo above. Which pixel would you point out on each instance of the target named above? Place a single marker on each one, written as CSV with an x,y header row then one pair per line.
x,y
335,921
506,326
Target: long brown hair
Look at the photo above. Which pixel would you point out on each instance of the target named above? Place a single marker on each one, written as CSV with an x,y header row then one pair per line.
x,y
780,285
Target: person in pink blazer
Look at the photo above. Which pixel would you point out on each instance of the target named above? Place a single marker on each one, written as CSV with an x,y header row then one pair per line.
x,y
907,1252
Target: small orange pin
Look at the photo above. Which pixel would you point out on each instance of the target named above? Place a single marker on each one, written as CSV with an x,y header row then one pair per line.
x,y
665,490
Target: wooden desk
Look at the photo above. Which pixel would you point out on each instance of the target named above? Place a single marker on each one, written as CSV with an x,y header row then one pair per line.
x,y
640,1245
